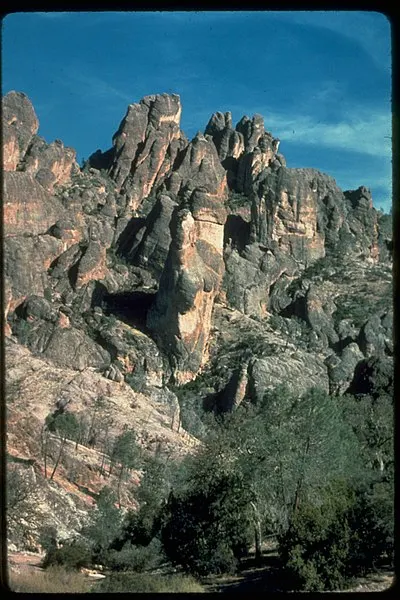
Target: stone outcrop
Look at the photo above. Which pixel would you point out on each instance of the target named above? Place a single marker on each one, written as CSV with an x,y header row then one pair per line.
x,y
26,262
181,317
363,222
163,208
28,208
301,210
163,261
244,151
51,164
23,150
149,247
20,124
144,147
92,265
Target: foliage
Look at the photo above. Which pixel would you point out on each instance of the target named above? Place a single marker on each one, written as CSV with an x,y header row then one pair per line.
x,y
72,555
48,537
288,447
127,453
148,583
104,525
315,545
327,544
208,527
359,308
371,521
135,558
372,420
67,426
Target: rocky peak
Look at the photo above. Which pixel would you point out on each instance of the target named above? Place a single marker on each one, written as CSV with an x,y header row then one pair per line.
x,y
20,124
252,131
50,164
245,151
144,147
359,198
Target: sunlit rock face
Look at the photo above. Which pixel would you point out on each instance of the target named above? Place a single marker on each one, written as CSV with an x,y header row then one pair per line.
x,y
51,164
181,317
144,147
301,210
20,124
245,151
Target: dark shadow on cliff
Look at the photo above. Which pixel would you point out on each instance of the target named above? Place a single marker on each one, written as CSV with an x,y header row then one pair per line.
x,y
238,231
129,307
127,237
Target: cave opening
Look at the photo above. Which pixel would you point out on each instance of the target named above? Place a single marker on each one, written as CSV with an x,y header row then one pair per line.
x,y
130,307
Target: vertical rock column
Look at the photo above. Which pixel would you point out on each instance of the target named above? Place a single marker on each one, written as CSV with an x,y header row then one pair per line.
x,y
181,316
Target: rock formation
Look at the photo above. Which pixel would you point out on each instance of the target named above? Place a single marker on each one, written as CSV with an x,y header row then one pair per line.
x,y
163,262
181,317
144,147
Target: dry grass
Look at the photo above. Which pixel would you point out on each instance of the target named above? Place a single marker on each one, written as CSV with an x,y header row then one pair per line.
x,y
52,580
129,582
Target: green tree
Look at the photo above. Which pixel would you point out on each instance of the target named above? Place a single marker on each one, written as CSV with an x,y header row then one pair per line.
x,y
104,525
127,453
208,528
372,420
304,442
346,533
66,426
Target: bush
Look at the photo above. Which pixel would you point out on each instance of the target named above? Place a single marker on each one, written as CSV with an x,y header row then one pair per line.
x,y
314,549
207,530
148,583
371,520
135,558
48,537
347,535
72,555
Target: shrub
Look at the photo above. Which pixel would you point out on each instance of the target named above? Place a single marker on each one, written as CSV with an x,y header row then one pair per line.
x,y
206,530
315,547
148,583
135,558
72,555
371,520
345,536
48,537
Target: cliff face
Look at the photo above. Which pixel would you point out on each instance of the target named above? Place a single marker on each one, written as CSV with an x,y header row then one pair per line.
x,y
162,204
163,260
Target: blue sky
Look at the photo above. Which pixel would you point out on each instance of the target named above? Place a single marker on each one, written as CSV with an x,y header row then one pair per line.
x,y
322,81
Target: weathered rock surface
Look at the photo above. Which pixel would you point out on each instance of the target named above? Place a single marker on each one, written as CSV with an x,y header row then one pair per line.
x,y
244,151
144,147
181,316
341,369
51,164
26,261
268,355
151,244
163,261
20,124
28,208
35,389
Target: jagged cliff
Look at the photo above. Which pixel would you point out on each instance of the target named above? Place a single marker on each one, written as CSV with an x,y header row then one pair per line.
x,y
164,260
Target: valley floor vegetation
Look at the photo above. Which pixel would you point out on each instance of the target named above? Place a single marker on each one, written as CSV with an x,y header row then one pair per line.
x,y
315,473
